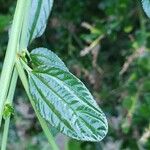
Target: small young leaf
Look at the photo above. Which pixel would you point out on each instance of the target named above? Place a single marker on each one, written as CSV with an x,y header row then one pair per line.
x,y
36,19
8,111
43,56
66,104
146,7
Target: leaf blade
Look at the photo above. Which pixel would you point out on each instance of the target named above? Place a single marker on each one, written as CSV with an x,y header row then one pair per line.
x,y
43,56
146,7
72,115
35,20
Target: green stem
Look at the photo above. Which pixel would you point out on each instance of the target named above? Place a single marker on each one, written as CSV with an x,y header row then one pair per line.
x,y
9,101
13,80
43,123
10,54
25,66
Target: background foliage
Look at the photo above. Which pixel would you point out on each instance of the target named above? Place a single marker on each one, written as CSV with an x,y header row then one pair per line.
x,y
105,43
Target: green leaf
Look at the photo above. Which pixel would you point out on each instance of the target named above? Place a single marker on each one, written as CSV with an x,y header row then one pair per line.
x,y
146,7
66,104
36,20
8,111
43,56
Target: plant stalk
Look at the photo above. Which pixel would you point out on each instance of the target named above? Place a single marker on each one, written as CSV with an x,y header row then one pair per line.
x,y
11,54
9,101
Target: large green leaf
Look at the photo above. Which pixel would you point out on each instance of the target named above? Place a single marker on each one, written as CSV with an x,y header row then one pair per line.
x,y
66,104
146,6
35,20
43,56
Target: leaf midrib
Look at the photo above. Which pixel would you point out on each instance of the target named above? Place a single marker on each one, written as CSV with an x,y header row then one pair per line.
x,y
35,19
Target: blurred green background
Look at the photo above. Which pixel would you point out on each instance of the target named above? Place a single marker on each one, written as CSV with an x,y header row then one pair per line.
x,y
106,44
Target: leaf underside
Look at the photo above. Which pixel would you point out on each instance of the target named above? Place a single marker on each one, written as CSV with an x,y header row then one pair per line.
x,y
66,104
43,56
37,17
146,7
